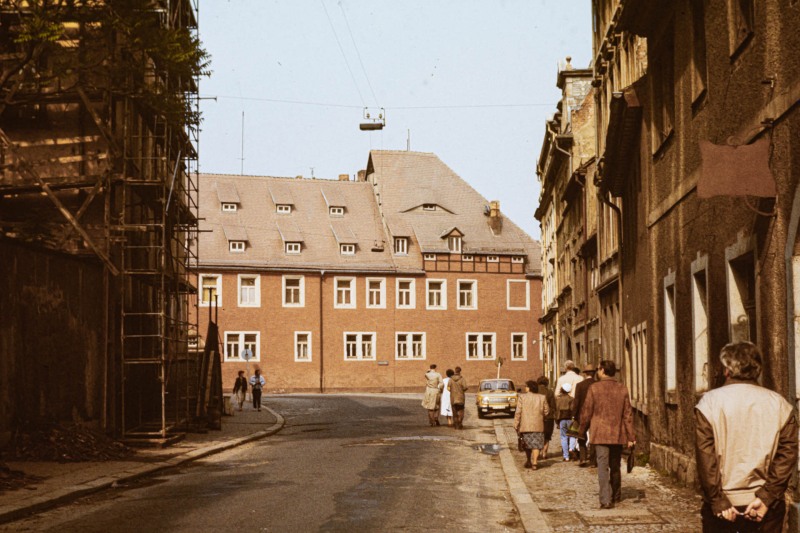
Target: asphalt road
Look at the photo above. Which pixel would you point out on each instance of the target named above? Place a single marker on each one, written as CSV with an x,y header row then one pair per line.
x,y
341,463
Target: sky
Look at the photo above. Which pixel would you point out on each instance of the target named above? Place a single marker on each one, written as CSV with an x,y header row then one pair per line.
x,y
472,81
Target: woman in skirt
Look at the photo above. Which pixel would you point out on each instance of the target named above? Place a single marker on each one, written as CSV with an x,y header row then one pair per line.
x,y
532,408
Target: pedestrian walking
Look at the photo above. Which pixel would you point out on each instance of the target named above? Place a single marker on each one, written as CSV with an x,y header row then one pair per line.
x,y
746,448
458,388
587,456
529,418
240,389
257,382
430,401
564,417
550,418
446,407
569,376
607,409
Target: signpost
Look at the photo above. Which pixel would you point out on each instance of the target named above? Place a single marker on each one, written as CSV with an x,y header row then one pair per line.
x,y
247,354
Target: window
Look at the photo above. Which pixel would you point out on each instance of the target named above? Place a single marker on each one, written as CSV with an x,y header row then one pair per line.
x,y
236,247
429,207
242,346
401,245
406,294
210,289
467,294
294,293
344,297
518,295
517,259
467,258
359,346
429,257
284,209
664,92
437,294
519,346
302,346
700,323
699,69
670,355
492,259
410,346
336,211
639,371
742,298
454,244
249,290
740,24
480,346
376,293
229,208
347,249
293,247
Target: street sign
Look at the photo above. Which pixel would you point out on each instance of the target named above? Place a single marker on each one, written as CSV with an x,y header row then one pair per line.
x,y
246,354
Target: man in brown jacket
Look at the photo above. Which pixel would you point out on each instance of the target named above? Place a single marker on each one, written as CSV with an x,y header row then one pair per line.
x,y
587,456
608,410
457,387
746,447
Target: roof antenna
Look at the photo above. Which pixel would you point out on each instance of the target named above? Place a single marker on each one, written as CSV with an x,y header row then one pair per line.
x,y
408,141
312,172
242,157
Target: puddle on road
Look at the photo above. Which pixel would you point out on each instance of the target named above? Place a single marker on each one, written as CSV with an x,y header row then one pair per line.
x,y
389,441
489,449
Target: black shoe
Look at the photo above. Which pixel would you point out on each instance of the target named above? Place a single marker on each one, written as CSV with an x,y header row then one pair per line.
x,y
584,464
607,505
528,464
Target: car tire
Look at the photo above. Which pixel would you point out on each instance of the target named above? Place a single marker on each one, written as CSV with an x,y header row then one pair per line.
x,y
481,415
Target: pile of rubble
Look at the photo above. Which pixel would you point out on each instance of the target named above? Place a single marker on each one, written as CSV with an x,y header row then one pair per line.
x,y
65,444
14,479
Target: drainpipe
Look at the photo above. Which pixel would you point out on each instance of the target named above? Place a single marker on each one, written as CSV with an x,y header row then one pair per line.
x,y
321,335
791,340
569,155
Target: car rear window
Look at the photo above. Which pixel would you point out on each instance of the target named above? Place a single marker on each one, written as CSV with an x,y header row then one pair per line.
x,y
497,385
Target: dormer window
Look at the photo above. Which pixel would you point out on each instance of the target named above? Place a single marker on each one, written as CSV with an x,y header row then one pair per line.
x,y
347,249
229,208
293,247
467,258
429,207
429,257
236,247
454,243
284,209
336,211
401,245
492,259
517,259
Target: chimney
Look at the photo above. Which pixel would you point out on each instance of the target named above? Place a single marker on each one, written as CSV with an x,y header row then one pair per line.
x,y
495,220
362,175
344,177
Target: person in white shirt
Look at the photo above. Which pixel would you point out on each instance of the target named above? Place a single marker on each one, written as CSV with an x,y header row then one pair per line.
x,y
256,384
569,376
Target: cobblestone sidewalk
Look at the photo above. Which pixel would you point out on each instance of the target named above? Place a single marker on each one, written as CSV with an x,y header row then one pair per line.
x,y
568,497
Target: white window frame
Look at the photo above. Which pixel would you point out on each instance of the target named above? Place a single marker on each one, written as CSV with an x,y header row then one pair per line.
x,y
353,292
297,358
517,259
336,211
237,247
473,290
218,290
443,305
240,344
229,207
454,244
412,298
407,346
480,355
670,336
700,323
347,249
524,346
492,258
256,289
468,258
360,345
302,288
429,207
283,209
429,257
293,248
527,295
381,293
401,246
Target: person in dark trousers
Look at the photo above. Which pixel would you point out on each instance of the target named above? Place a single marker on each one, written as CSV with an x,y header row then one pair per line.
x,y
550,418
257,382
458,388
240,389
607,409
587,456
564,417
746,448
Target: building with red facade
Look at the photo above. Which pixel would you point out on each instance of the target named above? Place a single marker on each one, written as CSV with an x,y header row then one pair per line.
x,y
360,285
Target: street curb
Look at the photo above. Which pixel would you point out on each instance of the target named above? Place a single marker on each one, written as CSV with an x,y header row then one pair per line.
x,y
532,518
69,494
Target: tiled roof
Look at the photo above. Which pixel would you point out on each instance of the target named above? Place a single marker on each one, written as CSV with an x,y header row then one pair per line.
x,y
333,196
227,194
281,194
234,233
343,232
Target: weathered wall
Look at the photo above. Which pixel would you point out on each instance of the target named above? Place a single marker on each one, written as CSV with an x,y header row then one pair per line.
x,y
51,338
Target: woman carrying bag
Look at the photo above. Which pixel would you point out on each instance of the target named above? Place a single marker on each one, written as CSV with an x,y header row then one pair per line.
x,y
529,422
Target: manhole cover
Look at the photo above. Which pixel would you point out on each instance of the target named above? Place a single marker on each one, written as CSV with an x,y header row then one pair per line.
x,y
619,517
491,449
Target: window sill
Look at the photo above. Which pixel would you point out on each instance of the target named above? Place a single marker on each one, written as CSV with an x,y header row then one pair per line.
x,y
671,397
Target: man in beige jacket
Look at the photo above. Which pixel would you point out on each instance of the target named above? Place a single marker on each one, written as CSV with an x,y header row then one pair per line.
x,y
746,447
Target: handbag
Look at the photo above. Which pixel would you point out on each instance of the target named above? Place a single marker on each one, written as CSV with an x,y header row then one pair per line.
x,y
631,459
574,429
520,443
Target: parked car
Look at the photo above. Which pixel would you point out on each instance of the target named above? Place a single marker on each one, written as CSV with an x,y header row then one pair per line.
x,y
496,395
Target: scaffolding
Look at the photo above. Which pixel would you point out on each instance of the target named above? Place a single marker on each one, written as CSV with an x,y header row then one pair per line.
x,y
122,175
